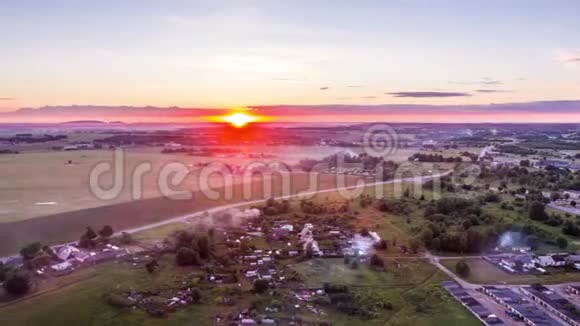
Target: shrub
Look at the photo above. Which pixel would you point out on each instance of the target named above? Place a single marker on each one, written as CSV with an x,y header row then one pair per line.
x,y
17,284
186,257
462,268
261,286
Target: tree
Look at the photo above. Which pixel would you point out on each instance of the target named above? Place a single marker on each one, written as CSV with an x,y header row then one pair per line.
x,y
573,203
377,261
562,242
555,196
203,247
17,284
462,269
195,295
152,266
31,250
414,244
533,241
382,245
537,211
571,229
186,257
261,286
126,238
86,242
4,270
90,233
106,231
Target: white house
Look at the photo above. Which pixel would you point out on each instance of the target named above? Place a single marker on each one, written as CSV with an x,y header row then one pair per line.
x,y
545,261
61,266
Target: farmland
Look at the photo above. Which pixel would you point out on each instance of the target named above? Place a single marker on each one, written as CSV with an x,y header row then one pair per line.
x,y
67,226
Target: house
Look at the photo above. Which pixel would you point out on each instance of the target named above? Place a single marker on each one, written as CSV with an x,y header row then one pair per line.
x,y
527,262
61,267
65,253
545,261
559,260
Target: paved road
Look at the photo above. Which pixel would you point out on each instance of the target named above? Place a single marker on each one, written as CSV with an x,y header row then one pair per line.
x,y
571,210
184,218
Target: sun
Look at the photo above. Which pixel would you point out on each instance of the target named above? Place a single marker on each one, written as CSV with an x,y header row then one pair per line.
x,y
239,119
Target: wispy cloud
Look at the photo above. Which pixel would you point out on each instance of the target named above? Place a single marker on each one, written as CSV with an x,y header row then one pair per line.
x,y
493,91
325,88
354,86
488,81
569,57
7,98
369,97
429,94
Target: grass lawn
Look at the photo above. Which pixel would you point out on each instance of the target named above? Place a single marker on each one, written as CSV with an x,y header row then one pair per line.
x,y
483,272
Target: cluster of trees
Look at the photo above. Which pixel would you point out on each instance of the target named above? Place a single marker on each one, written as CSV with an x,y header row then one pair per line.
x,y
513,149
550,178
311,207
399,207
347,302
434,158
367,162
36,255
274,207
90,238
453,226
32,139
445,184
15,282
191,249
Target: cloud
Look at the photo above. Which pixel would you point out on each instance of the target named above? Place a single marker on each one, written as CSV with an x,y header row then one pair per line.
x,y
325,88
429,94
493,91
369,97
7,98
354,86
569,57
488,81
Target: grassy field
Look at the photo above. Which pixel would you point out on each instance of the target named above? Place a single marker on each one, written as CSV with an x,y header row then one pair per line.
x,y
413,290
410,272
483,272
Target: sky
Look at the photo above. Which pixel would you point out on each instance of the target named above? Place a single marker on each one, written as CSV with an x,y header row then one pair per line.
x,y
220,54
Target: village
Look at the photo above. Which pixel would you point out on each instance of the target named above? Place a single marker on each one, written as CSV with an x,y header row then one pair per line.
x,y
251,252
